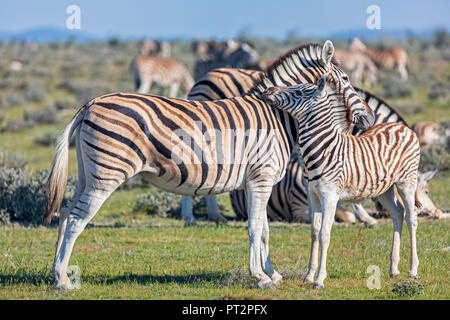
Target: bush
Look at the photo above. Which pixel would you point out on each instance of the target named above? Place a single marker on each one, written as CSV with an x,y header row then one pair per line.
x,y
158,203
18,125
410,109
34,92
440,91
435,157
409,288
395,88
65,103
23,196
11,100
12,160
45,116
48,139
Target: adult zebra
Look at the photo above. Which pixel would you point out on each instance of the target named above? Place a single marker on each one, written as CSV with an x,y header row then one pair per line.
x,y
186,147
340,166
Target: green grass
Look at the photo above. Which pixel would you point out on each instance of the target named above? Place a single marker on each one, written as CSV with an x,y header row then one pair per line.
x,y
161,260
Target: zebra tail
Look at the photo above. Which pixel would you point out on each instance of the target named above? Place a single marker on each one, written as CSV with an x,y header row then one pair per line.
x,y
417,203
58,175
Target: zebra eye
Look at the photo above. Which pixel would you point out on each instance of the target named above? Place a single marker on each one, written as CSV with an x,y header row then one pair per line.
x,y
345,78
299,93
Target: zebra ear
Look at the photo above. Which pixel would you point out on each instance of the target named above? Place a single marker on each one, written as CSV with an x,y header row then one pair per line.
x,y
327,52
321,84
427,175
268,96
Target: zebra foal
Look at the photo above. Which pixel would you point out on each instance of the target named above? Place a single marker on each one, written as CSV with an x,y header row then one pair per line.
x,y
348,168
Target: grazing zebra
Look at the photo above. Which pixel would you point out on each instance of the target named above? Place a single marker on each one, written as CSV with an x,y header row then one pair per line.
x,y
358,64
340,166
163,71
236,55
427,132
156,48
186,147
384,59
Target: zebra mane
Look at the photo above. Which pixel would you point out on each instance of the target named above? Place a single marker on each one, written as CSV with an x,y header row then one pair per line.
x,y
282,71
383,111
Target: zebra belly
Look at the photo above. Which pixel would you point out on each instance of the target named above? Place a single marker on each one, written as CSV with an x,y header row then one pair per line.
x,y
194,185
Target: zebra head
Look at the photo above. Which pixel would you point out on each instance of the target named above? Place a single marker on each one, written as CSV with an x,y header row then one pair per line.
x,y
358,112
306,64
298,99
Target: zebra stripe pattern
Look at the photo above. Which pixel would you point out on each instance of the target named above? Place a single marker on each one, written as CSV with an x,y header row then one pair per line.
x,y
185,147
344,167
299,65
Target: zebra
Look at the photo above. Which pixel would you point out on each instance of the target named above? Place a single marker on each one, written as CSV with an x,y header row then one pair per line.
x,y
340,166
164,71
292,189
156,48
235,55
186,147
428,133
384,59
358,63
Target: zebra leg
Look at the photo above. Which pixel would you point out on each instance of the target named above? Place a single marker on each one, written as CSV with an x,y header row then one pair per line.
x,y
186,211
213,209
65,212
174,90
257,208
363,216
145,86
328,205
83,211
407,193
402,71
316,223
265,256
387,200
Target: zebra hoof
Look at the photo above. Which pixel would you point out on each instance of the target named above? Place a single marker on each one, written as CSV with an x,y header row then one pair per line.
x,y
190,223
63,287
318,286
266,285
277,278
394,274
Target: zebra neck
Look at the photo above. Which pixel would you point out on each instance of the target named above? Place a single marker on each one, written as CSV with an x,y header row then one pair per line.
x,y
318,134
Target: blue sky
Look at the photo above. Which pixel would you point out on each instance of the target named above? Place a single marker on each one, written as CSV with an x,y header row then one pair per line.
x,y
225,18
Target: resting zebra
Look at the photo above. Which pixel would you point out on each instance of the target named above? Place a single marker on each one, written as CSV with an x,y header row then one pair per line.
x,y
236,55
340,166
384,59
186,147
164,71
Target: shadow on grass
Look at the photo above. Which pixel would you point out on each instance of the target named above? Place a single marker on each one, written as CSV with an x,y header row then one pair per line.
x,y
235,277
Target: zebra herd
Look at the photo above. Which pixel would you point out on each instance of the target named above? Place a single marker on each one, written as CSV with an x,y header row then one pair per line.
x,y
237,131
